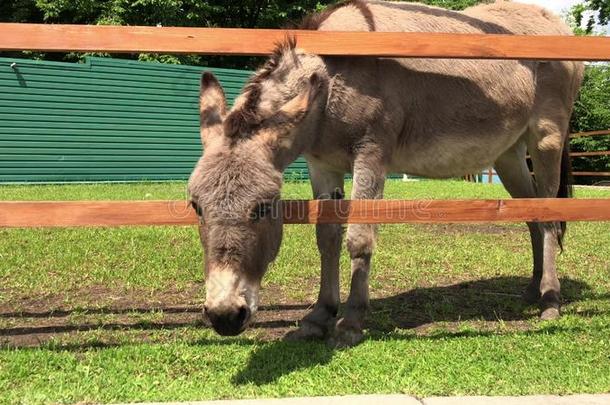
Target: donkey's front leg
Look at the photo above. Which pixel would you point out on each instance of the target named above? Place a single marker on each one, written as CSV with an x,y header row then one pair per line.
x,y
369,177
326,185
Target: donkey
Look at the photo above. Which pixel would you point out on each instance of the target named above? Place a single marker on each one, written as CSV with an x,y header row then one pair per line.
x,y
369,117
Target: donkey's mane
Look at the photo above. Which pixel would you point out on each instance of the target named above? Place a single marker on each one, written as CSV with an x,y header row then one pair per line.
x,y
240,123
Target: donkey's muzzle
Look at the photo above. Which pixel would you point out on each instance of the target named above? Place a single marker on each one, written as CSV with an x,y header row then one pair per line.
x,y
229,321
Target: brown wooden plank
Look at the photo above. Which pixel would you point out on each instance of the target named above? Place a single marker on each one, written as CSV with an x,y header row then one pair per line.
x,y
447,211
237,41
589,154
94,213
121,213
584,154
590,133
592,174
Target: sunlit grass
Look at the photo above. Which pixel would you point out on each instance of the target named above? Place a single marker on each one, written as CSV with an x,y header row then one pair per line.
x,y
462,282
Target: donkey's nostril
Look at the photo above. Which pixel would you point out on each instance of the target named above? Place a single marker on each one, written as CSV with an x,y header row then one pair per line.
x,y
243,314
228,321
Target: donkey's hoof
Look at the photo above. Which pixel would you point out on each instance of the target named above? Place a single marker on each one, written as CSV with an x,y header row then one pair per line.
x,y
531,294
550,314
306,331
345,335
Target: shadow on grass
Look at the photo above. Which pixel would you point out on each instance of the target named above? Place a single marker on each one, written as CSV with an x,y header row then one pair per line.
x,y
60,313
140,325
269,362
488,300
99,344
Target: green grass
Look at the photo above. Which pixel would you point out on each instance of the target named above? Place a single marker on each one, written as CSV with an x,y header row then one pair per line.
x,y
197,365
446,316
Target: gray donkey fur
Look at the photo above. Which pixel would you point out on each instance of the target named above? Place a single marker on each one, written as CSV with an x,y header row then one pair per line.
x,y
371,116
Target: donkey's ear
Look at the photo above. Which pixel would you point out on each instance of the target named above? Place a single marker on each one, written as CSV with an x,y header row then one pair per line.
x,y
212,108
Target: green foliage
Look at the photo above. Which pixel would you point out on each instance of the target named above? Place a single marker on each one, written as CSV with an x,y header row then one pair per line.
x,y
19,11
586,15
188,13
603,7
592,112
181,13
454,4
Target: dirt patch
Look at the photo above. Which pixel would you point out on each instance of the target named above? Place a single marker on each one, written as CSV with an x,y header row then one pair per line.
x,y
102,315
32,321
100,298
33,328
112,315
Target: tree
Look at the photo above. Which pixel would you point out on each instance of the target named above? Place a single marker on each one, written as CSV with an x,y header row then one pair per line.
x,y
183,13
592,110
586,16
591,113
454,4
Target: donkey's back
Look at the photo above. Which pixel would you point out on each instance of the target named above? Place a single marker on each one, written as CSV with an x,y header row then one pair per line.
x,y
500,17
444,118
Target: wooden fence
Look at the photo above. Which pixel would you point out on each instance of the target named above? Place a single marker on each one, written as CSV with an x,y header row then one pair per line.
x,y
237,41
591,154
51,38
491,173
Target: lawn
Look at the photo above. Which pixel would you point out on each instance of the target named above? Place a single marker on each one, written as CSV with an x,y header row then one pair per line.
x,y
113,315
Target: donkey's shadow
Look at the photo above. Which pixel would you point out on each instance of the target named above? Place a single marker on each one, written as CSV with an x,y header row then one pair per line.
x,y
483,300
492,299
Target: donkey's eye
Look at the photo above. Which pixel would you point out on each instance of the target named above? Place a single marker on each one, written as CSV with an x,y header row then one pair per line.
x,y
197,208
261,211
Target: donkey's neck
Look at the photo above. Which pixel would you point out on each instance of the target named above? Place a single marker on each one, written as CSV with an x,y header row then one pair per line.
x,y
300,139
293,74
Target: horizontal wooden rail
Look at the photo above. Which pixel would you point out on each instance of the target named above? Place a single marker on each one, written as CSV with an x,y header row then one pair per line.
x,y
237,41
584,154
119,213
591,174
590,133
590,154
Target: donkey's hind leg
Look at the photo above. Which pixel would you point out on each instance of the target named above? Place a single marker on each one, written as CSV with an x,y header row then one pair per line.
x,y
514,173
516,178
546,143
369,178
326,185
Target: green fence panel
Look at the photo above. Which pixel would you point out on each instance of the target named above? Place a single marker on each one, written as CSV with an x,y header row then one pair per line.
x,y
104,120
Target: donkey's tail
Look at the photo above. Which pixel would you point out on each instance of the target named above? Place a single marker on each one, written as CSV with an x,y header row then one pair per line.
x,y
565,184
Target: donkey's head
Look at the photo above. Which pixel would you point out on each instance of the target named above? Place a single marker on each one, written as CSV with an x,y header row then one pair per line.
x,y
235,189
